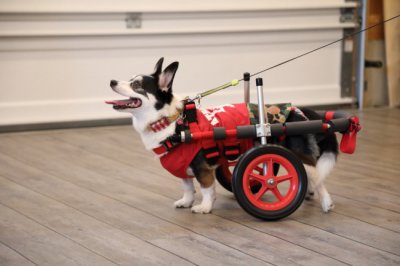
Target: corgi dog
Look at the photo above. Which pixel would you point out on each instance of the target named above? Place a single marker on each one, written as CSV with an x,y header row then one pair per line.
x,y
156,114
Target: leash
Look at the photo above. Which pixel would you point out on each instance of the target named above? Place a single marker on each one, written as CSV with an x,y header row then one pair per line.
x,y
237,81
234,82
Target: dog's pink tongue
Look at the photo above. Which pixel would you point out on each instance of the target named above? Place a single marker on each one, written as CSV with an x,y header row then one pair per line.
x,y
119,102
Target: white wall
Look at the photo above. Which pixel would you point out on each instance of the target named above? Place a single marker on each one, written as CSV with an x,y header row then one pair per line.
x,y
57,57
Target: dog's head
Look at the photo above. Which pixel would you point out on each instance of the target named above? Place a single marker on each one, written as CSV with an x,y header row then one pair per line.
x,y
146,91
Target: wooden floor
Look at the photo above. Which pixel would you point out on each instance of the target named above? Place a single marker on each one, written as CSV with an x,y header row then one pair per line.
x,y
93,197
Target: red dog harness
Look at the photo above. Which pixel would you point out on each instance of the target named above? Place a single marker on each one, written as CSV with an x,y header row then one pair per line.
x,y
177,160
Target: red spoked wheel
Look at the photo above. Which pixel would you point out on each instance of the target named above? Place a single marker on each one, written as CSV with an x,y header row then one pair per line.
x,y
280,193
223,174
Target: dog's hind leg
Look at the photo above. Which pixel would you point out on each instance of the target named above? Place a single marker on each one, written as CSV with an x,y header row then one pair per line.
x,y
188,194
324,167
316,176
325,198
312,177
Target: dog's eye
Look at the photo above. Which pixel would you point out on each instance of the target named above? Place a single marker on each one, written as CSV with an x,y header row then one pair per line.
x,y
135,84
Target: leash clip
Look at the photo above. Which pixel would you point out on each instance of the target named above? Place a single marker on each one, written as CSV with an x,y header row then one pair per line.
x,y
198,97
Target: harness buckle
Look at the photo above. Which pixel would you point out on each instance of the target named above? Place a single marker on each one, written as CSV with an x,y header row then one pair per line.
x,y
190,112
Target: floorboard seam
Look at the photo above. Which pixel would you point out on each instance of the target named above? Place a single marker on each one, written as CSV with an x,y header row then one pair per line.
x,y
97,219
19,253
58,233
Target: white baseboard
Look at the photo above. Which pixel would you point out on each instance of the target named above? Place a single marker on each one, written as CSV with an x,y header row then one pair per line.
x,y
15,113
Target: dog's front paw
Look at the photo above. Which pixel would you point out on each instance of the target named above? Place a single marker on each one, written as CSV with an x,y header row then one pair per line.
x,y
183,203
327,203
202,208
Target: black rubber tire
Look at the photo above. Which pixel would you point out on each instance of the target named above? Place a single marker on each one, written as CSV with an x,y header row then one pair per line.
x,y
246,204
222,179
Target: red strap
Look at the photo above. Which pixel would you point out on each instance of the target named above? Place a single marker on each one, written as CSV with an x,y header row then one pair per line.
x,y
349,139
165,147
231,152
329,115
190,106
160,150
212,155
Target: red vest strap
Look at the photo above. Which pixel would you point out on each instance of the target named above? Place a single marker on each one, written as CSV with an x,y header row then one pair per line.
x,y
160,150
165,147
349,139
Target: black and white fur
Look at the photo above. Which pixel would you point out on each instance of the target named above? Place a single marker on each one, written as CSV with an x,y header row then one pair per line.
x,y
151,98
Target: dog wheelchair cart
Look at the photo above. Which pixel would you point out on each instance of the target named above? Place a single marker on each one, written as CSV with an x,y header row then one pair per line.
x,y
268,180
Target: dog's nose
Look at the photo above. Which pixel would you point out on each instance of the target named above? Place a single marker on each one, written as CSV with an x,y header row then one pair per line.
x,y
113,83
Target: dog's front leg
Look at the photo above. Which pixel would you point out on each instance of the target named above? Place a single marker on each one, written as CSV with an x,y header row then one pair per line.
x,y
188,194
207,188
207,201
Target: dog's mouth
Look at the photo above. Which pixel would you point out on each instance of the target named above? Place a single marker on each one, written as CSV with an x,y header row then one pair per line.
x,y
125,104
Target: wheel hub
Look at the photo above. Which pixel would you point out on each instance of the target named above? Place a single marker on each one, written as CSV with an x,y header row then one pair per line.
x,y
271,182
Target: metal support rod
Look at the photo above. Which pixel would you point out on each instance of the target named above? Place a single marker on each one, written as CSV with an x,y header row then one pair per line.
x,y
261,114
246,87
261,117
361,55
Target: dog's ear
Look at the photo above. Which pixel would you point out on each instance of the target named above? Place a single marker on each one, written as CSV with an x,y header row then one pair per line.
x,y
158,67
167,77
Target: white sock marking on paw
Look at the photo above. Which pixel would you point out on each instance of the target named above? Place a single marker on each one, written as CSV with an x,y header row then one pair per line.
x,y
325,199
188,194
208,200
327,203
